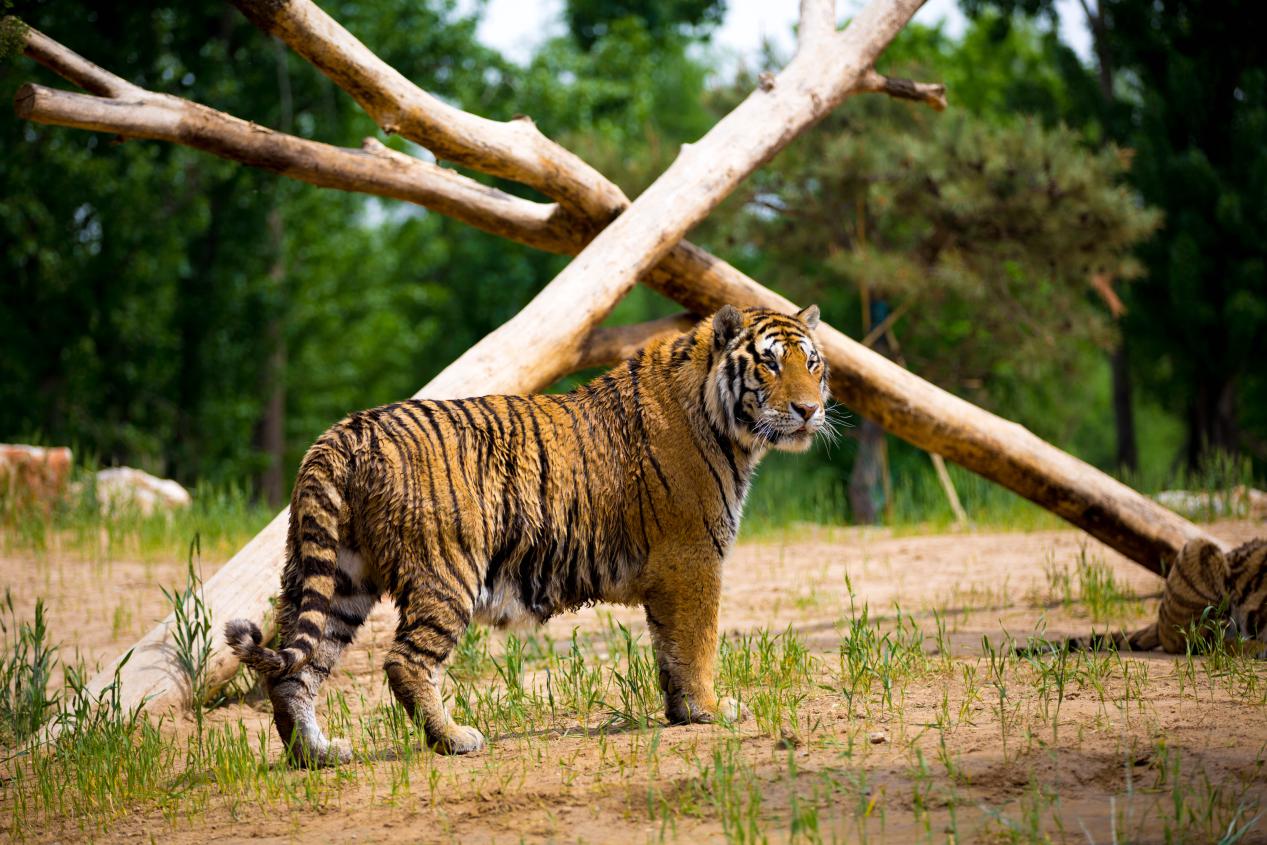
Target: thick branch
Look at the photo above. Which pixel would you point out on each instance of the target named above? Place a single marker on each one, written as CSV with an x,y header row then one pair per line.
x,y
375,169
513,150
606,346
818,22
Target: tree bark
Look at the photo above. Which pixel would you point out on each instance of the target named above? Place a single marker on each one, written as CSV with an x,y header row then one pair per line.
x,y
866,482
271,431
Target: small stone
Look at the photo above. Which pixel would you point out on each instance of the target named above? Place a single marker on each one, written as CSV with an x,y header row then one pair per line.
x,y
877,737
120,487
788,740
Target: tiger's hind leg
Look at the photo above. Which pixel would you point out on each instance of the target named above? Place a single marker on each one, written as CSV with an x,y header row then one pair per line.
x,y
294,697
433,618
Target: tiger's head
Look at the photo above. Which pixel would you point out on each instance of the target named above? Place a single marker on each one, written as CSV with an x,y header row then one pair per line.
x,y
768,382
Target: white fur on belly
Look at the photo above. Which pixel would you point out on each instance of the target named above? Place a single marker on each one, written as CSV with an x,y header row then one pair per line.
x,y
502,608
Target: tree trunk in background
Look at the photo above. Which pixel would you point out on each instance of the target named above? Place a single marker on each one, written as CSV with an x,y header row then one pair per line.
x,y
1212,426
866,480
271,434
1119,359
1123,410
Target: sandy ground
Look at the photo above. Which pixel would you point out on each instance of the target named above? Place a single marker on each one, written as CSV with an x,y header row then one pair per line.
x,y
1122,764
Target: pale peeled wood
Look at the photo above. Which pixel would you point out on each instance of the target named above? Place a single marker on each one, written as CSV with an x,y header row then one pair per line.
x,y
121,108
545,340
940,422
822,75
514,149
609,345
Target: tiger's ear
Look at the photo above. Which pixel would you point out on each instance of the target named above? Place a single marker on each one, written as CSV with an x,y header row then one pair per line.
x,y
727,323
809,316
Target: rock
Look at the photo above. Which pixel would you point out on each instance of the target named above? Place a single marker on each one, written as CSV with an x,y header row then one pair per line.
x,y
121,487
1257,501
1239,502
34,474
877,737
788,740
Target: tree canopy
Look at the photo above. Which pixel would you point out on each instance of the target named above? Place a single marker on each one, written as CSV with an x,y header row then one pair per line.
x,y
1183,87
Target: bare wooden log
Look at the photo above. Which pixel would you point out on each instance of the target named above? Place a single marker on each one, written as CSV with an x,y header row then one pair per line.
x,y
942,423
610,345
125,109
513,150
546,339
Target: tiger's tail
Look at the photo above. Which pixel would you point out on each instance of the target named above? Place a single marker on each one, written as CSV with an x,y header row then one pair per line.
x,y
1144,639
309,580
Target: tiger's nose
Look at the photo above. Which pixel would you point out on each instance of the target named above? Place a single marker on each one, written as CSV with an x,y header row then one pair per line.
x,y
805,410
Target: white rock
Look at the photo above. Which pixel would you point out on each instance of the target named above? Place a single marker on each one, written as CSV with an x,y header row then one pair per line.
x,y
1239,502
120,487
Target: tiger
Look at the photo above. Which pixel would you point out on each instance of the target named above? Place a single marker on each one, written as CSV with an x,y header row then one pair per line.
x,y
506,510
1207,592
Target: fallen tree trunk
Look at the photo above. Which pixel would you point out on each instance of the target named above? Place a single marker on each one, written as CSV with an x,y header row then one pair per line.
x,y
547,339
942,423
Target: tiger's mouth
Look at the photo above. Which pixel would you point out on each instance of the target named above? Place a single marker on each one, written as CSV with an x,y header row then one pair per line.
x,y
783,429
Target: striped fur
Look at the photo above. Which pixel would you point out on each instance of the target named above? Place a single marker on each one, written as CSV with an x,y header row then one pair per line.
x,y
511,509
1204,588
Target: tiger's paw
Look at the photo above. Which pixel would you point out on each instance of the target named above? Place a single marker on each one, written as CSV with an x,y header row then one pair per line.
x,y
726,711
336,752
732,710
458,739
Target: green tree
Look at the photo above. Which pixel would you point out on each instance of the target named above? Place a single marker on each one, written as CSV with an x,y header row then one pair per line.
x,y
1185,86
141,282
974,233
589,21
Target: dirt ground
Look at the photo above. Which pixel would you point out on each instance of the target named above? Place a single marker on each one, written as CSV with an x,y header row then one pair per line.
x,y
1143,748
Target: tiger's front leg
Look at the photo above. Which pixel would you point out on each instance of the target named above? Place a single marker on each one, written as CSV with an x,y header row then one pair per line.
x,y
682,612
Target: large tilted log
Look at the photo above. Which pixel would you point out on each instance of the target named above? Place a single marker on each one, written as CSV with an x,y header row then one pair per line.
x,y
942,423
548,338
